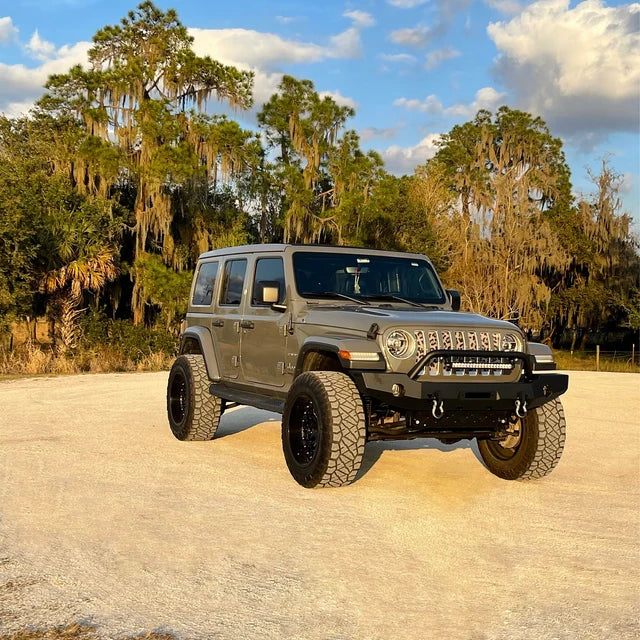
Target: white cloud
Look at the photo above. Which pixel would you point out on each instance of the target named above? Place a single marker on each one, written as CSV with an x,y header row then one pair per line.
x,y
267,51
361,19
346,44
254,48
430,104
436,57
626,183
17,109
8,32
403,160
20,85
577,67
406,4
485,98
286,19
417,37
387,133
39,48
344,101
505,6
403,58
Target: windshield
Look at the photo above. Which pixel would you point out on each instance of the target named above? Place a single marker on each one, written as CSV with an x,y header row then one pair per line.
x,y
366,277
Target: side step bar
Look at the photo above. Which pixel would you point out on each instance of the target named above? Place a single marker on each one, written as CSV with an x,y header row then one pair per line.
x,y
267,403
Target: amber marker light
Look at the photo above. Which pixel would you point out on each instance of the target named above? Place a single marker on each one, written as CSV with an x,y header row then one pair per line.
x,y
363,356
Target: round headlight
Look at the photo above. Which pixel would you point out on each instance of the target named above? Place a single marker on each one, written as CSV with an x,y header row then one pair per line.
x,y
401,344
509,342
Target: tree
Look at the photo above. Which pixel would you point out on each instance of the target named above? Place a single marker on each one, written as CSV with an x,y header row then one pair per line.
x,y
304,127
52,238
141,103
503,173
602,286
81,255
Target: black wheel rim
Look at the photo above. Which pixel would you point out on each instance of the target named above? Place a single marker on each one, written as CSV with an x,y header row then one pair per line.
x,y
178,397
304,430
499,449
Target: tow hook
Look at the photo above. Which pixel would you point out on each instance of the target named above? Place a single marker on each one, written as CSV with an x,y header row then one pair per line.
x,y
437,410
521,406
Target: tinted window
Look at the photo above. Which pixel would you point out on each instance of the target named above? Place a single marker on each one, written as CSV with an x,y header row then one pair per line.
x,y
366,276
233,281
269,271
205,283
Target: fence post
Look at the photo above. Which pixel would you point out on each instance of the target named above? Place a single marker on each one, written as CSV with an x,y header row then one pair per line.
x,y
597,357
633,354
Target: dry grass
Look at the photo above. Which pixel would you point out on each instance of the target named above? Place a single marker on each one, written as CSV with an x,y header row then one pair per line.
x,y
76,632
37,360
584,361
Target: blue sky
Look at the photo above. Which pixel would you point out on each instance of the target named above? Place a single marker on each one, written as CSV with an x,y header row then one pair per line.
x,y
411,68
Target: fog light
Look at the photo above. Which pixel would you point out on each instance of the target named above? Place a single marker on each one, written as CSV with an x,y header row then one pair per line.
x,y
397,390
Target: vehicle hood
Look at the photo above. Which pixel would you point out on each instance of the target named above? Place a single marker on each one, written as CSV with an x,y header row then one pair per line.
x,y
360,318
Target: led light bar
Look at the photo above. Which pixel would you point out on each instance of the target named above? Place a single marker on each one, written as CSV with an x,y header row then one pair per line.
x,y
473,365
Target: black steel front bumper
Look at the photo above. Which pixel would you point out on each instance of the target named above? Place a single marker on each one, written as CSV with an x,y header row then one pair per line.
x,y
460,395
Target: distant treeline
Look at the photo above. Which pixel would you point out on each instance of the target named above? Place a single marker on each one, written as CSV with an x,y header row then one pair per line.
x,y
121,176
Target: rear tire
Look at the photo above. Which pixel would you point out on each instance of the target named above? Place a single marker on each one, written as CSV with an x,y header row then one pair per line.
x,y
194,413
323,429
537,449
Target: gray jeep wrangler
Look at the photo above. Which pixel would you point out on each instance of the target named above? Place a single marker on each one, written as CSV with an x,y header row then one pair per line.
x,y
352,345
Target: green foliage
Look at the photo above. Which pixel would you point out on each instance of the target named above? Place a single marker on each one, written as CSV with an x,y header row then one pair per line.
x,y
163,287
123,164
134,342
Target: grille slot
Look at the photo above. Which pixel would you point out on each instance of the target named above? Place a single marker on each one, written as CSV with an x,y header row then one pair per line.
x,y
463,366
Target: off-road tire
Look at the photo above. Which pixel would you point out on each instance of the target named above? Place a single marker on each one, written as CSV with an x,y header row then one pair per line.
x,y
341,432
196,416
543,433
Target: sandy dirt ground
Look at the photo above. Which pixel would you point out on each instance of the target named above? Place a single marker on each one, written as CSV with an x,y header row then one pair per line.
x,y
106,518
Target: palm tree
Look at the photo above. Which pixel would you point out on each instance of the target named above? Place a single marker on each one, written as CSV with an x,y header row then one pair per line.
x,y
82,257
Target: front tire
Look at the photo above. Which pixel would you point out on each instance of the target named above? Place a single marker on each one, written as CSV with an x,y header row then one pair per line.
x,y
194,413
537,449
323,429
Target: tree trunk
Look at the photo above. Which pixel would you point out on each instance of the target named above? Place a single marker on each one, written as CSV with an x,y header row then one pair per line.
x,y
70,332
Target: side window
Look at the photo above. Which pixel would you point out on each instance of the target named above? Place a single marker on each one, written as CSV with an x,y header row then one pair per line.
x,y
232,282
205,283
269,271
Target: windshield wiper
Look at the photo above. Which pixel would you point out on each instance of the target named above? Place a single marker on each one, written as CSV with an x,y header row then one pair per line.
x,y
330,294
390,296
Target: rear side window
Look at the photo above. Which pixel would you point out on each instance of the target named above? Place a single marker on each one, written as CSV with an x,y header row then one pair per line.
x,y
233,281
205,284
269,271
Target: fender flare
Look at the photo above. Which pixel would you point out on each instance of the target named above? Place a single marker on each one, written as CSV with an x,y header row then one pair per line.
x,y
203,337
543,356
335,344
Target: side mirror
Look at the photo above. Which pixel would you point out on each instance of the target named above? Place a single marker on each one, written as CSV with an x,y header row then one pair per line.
x,y
269,293
454,298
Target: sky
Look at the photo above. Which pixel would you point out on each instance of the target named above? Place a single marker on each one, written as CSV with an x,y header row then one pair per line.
x,y
411,68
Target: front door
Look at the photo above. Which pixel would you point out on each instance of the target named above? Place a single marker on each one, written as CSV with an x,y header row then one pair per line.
x,y
225,325
264,330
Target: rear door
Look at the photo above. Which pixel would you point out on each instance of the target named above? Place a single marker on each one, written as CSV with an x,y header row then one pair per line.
x,y
227,316
264,330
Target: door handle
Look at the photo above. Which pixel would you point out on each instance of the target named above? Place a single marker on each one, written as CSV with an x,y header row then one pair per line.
x,y
217,323
247,324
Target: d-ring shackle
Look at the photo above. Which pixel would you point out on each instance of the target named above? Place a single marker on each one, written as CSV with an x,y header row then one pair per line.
x,y
521,407
437,410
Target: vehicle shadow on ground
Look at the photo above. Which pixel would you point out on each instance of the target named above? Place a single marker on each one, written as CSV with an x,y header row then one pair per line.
x,y
374,450
241,418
